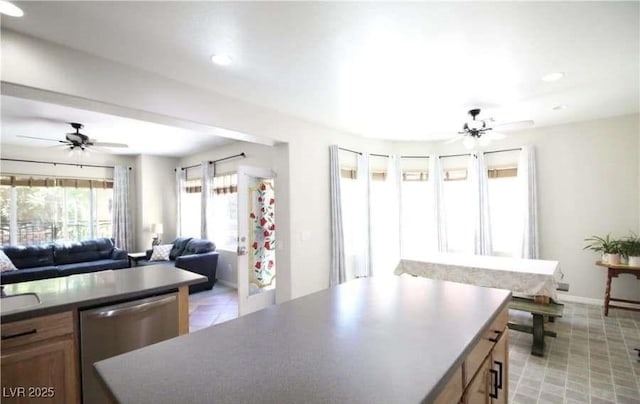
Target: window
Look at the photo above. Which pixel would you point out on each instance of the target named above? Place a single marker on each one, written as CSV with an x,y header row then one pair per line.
x,y
40,210
383,217
224,228
459,215
354,220
418,236
223,223
457,200
190,208
504,207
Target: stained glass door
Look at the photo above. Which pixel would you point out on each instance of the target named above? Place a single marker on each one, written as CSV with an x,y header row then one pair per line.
x,y
256,239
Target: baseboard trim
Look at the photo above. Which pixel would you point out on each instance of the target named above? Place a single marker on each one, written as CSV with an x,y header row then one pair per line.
x,y
589,300
227,283
581,299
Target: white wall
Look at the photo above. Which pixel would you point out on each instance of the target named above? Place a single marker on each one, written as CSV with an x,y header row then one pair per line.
x,y
588,184
47,71
156,202
588,177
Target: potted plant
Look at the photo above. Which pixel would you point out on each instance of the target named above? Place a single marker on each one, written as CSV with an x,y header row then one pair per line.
x,y
631,249
608,247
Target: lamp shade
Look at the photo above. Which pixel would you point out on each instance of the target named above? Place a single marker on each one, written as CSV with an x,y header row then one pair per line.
x,y
469,142
156,228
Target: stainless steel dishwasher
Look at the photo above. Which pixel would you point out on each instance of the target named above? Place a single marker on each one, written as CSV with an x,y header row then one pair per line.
x,y
113,330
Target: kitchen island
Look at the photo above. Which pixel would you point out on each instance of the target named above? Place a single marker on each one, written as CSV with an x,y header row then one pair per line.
x,y
43,341
400,340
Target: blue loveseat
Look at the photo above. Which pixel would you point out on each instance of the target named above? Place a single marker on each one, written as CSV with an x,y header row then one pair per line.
x,y
45,261
194,255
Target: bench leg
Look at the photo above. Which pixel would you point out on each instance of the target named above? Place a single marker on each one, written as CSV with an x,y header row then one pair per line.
x,y
537,348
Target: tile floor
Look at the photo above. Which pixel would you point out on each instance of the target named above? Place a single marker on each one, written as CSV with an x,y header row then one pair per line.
x,y
212,307
592,360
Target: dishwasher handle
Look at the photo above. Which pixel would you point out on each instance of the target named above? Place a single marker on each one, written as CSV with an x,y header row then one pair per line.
x,y
132,309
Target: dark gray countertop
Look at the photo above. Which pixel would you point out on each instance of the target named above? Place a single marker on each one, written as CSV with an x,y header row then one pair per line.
x,y
387,340
97,288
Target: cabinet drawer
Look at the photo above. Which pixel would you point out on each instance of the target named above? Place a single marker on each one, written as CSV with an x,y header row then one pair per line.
x,y
484,346
497,326
24,332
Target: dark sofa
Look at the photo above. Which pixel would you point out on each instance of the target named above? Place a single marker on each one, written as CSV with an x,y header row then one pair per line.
x,y
191,254
45,261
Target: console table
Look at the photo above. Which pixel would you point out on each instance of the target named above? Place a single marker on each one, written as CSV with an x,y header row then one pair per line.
x,y
612,272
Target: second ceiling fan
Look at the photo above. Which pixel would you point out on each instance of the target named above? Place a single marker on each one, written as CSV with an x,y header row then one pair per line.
x,y
479,131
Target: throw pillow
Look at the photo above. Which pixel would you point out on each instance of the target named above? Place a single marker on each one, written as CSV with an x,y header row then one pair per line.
x,y
5,263
161,252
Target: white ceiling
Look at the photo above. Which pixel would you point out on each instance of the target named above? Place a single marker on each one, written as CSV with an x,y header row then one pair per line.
x,y
38,119
390,70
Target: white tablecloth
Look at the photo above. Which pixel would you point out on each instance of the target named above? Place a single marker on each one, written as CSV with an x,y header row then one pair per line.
x,y
521,276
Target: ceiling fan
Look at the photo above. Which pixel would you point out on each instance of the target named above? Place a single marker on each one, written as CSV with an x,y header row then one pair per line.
x,y
477,131
78,140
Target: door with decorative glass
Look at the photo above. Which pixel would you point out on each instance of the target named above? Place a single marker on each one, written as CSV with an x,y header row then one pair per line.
x,y
256,239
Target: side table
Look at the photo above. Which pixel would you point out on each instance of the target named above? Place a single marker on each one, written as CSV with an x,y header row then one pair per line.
x,y
135,257
612,272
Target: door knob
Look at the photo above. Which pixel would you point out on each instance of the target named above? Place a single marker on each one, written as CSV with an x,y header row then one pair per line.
x,y
242,250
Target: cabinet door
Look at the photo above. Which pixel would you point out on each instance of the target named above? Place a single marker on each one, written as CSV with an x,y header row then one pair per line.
x,y
42,372
500,366
478,390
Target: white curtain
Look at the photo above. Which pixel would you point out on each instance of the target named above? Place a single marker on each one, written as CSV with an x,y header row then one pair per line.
x,y
338,272
363,255
181,180
436,180
122,220
207,174
529,247
479,178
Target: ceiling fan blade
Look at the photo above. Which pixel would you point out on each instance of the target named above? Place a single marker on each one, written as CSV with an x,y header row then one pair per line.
x,y
453,139
96,149
514,125
41,138
494,135
60,146
107,144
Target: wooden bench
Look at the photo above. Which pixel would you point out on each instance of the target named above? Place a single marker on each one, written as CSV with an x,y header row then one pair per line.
x,y
539,312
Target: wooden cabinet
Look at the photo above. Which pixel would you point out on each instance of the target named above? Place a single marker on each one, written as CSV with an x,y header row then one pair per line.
x,y
500,366
483,377
478,389
39,361
452,391
486,367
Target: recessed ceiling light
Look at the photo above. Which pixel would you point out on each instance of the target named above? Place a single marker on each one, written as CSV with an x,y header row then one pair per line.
x,y
10,9
553,76
221,60
559,107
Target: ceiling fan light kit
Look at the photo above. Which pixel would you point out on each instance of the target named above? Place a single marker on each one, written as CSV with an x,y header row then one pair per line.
x,y
10,9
